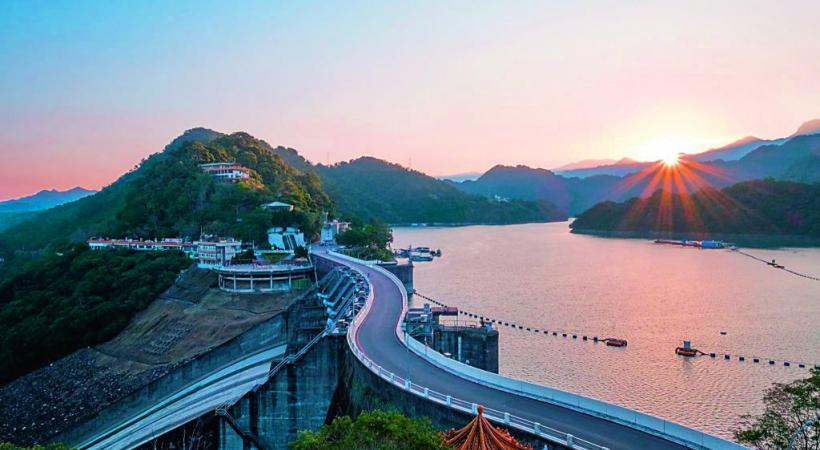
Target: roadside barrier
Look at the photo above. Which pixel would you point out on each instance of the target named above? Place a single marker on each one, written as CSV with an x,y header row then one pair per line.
x,y
450,401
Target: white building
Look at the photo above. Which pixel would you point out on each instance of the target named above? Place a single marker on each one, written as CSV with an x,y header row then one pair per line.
x,y
189,248
331,229
286,239
272,206
229,172
216,252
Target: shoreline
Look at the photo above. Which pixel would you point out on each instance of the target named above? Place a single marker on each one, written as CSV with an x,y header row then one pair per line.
x,y
743,240
465,224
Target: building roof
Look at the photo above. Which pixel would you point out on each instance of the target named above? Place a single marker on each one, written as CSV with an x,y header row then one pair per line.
x,y
480,434
277,205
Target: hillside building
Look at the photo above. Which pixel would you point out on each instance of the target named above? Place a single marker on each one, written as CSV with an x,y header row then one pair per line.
x,y
189,248
228,172
331,229
250,278
286,239
278,206
211,253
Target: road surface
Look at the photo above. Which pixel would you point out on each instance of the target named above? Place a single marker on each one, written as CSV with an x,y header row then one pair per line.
x,y
377,338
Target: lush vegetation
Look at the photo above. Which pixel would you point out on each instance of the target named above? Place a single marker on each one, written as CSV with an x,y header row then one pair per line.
x,y
169,196
788,408
370,188
765,207
367,241
75,297
10,446
376,430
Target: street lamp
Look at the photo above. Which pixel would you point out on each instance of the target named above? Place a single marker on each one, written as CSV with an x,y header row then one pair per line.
x,y
805,425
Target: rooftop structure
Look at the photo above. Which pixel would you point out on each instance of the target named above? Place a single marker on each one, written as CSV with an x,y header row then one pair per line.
x,y
286,239
249,278
331,229
187,247
229,172
480,434
211,253
278,206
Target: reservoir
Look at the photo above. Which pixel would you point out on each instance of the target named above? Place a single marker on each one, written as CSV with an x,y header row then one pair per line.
x,y
655,296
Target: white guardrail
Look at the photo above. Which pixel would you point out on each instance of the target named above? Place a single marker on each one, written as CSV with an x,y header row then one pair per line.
x,y
653,425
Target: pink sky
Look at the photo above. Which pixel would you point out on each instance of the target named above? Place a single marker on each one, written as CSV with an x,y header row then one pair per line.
x,y
453,87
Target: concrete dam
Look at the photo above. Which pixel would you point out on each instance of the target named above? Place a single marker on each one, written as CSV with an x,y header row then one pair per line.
x,y
345,348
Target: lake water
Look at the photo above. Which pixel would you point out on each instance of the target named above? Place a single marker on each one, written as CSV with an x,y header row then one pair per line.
x,y
655,296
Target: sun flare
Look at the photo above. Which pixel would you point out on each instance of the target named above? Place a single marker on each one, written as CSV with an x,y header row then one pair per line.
x,y
670,160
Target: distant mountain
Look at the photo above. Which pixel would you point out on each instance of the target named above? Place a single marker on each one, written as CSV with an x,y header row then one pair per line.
x,y
459,177
369,187
44,200
793,159
810,127
585,164
759,207
618,168
733,151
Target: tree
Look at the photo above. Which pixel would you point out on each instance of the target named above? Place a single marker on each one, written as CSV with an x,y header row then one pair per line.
x,y
377,430
788,408
9,446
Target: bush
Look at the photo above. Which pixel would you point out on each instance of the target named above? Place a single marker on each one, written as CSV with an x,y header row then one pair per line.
x,y
788,407
75,297
372,430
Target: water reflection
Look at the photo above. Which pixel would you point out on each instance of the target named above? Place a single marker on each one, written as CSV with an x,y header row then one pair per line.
x,y
655,296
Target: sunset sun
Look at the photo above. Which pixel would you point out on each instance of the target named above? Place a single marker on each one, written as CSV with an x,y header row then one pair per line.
x,y
670,160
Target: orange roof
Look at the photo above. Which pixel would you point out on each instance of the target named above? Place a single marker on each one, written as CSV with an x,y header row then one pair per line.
x,y
480,434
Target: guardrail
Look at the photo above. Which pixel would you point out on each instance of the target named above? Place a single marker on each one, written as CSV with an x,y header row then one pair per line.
x,y
501,417
653,425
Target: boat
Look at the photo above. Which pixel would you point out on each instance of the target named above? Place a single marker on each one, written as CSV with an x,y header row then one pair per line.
x,y
421,258
686,351
613,342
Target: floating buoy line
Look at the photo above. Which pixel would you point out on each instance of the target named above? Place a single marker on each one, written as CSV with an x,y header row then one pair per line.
x,y
609,341
688,351
685,351
775,265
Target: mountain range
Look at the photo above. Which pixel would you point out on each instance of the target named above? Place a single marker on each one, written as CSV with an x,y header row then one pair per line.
x,y
795,158
729,152
44,200
168,195
17,210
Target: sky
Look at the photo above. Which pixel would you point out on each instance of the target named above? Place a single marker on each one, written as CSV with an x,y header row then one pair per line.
x,y
89,89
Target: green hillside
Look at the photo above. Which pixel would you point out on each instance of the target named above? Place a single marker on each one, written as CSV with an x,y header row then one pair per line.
x,y
761,207
73,298
372,188
168,195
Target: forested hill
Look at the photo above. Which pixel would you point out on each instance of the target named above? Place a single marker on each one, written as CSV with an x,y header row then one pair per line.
x,y
169,195
760,207
369,187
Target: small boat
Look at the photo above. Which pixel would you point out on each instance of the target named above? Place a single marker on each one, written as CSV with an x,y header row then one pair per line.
x,y
683,351
613,342
421,258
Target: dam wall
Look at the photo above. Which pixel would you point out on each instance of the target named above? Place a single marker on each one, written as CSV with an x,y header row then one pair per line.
x,y
268,337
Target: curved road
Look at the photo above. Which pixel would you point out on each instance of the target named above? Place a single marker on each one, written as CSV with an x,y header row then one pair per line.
x,y
377,338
